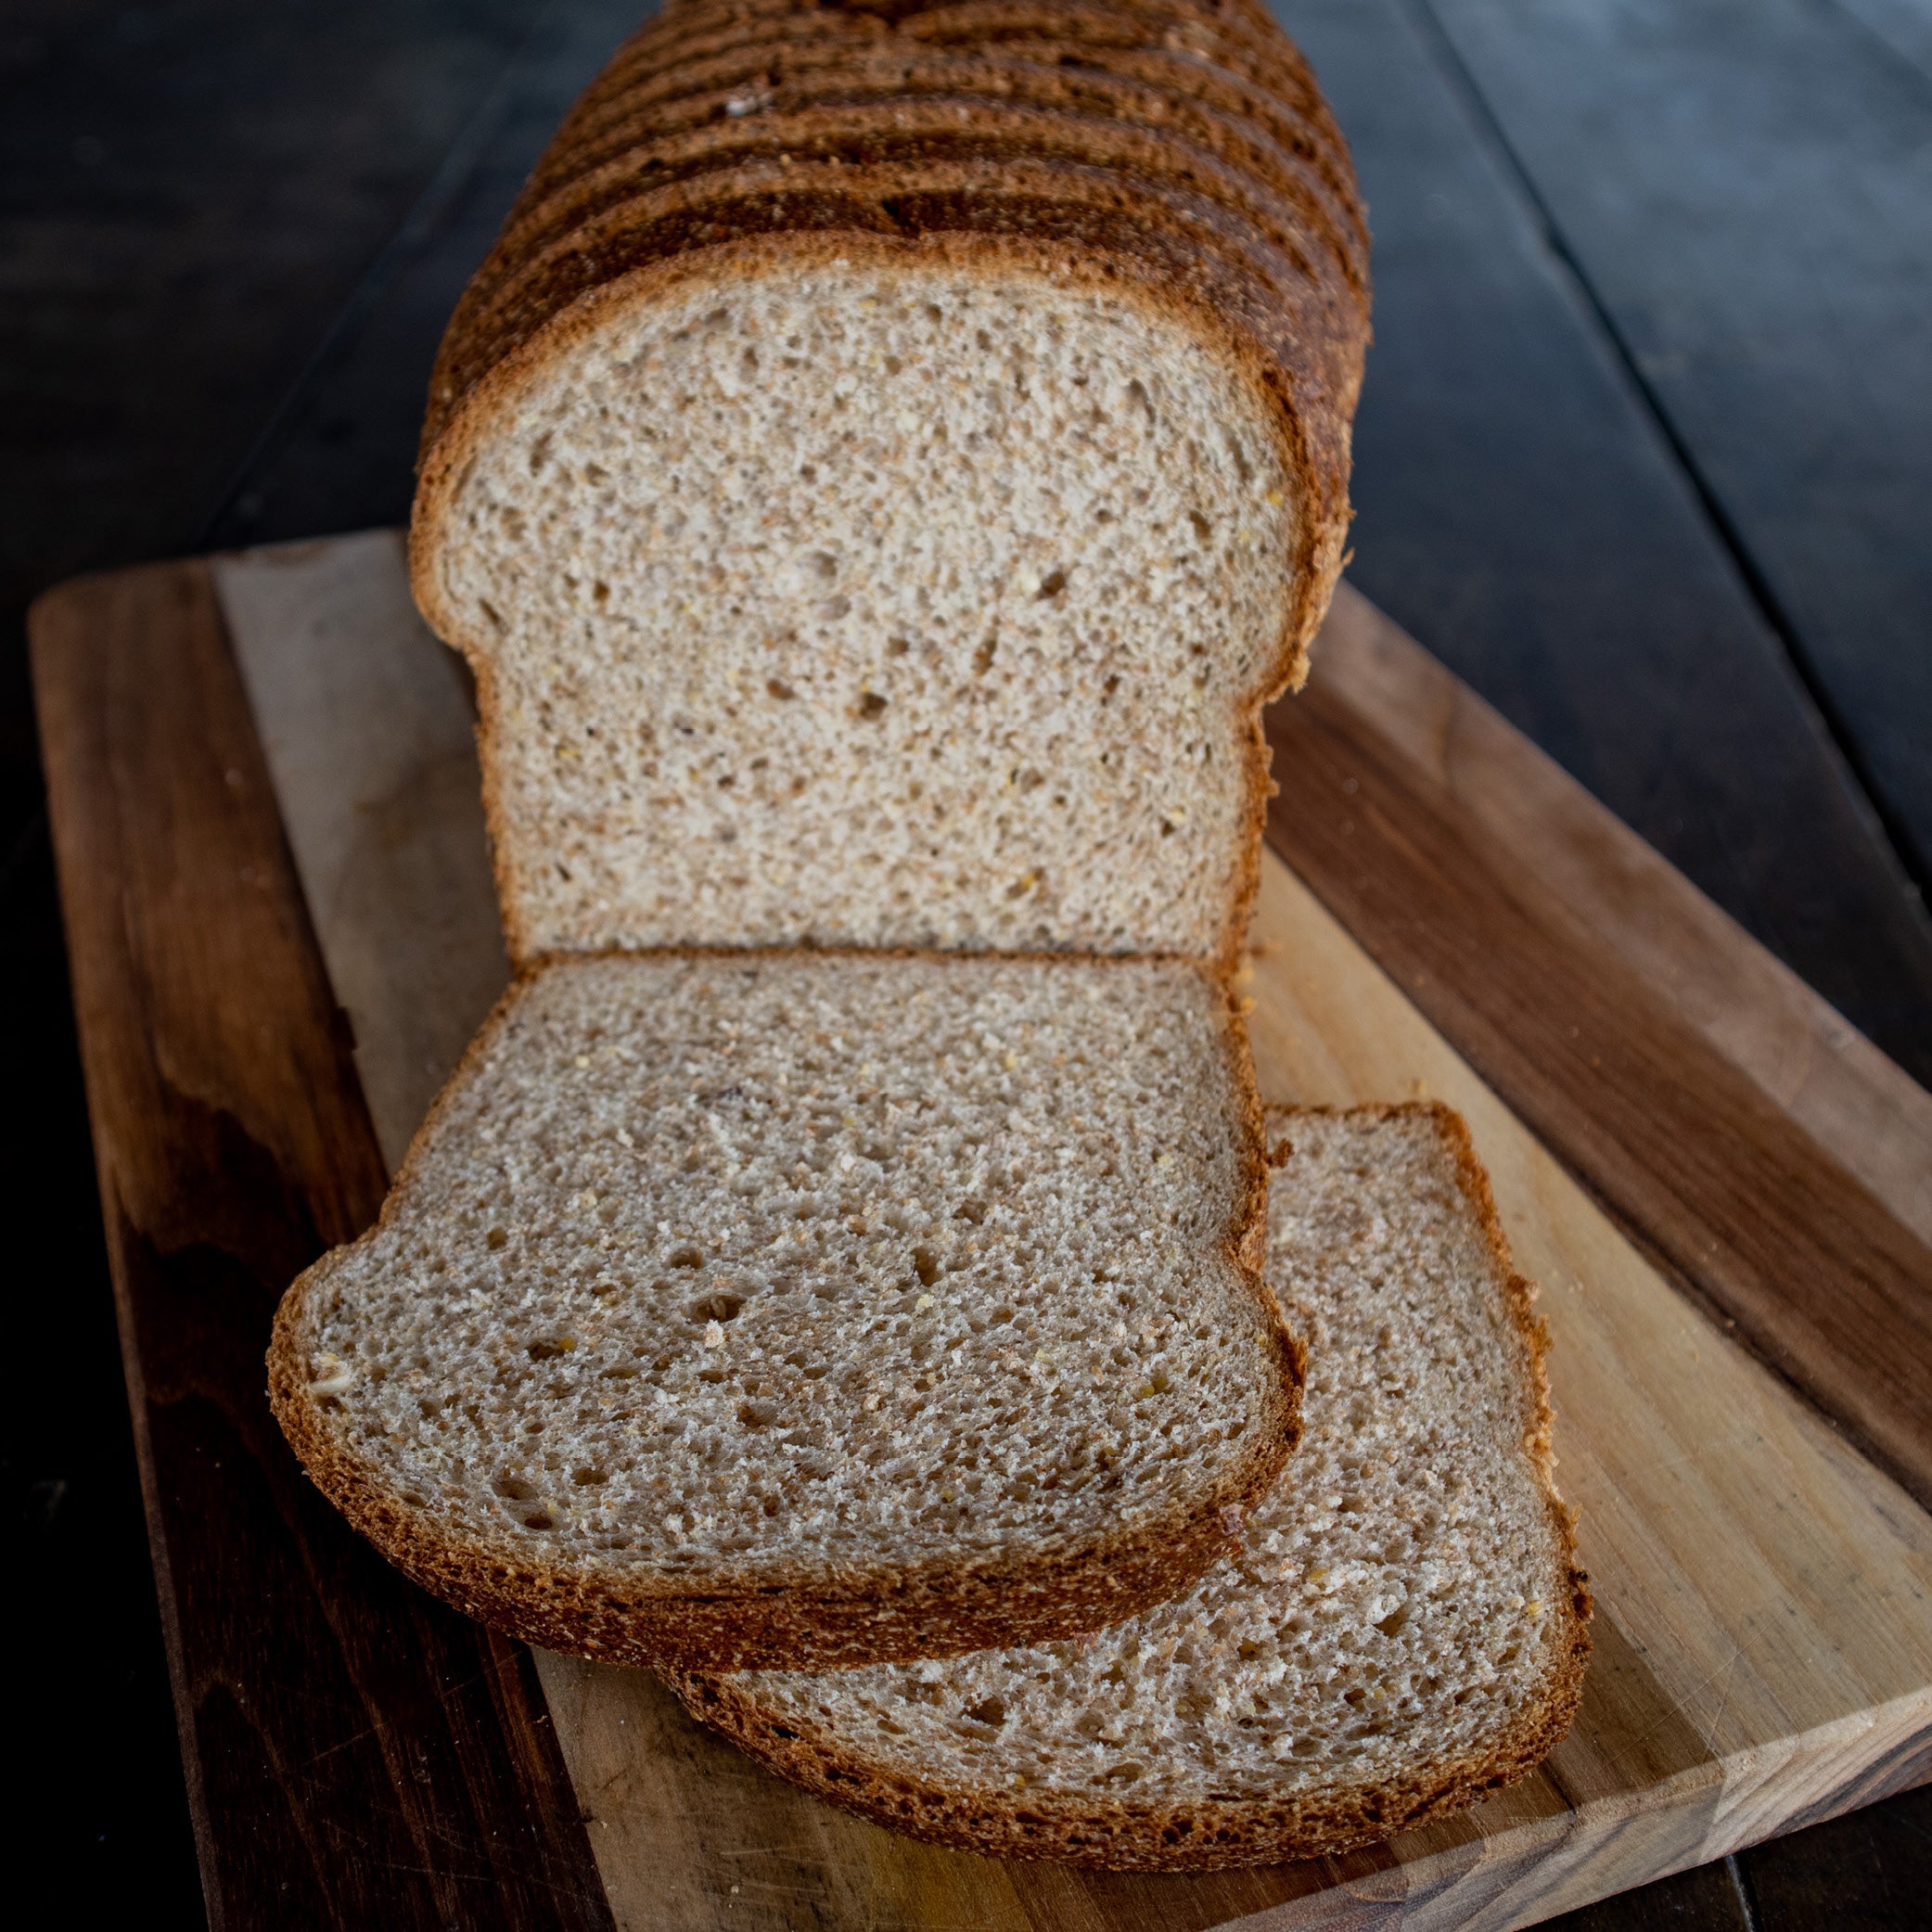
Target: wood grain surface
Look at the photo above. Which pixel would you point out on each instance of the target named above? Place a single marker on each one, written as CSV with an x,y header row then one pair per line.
x,y
1765,1642
357,1755
1697,1161
1587,870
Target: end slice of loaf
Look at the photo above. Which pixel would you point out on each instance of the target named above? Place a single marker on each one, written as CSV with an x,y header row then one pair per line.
x,y
1401,1632
811,1309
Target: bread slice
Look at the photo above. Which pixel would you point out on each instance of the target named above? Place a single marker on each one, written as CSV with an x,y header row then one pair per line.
x,y
879,522
1401,1632
745,1309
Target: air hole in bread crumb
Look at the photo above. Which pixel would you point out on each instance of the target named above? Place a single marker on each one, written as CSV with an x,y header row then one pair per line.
x,y
989,1710
515,1489
779,688
871,705
547,1347
982,658
925,1266
496,1238
718,1307
589,1478
1052,584
687,1257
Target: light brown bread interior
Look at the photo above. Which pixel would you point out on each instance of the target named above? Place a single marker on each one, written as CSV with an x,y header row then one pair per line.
x,y
1401,1631
734,1308
866,603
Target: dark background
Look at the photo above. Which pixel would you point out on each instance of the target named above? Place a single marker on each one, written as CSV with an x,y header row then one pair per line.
x,y
1645,456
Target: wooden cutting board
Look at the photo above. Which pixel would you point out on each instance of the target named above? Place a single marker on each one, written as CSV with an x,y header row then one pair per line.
x,y
1726,1192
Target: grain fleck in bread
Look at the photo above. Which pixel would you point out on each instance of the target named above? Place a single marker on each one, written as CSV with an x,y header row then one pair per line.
x,y
742,1308
877,512
1401,1633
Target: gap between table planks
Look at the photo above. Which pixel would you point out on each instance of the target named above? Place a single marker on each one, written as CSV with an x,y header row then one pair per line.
x,y
1765,1643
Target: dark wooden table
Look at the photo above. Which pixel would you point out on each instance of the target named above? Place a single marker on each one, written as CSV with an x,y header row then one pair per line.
x,y
1645,456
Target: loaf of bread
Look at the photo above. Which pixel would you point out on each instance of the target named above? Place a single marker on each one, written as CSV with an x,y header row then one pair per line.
x,y
1401,1633
887,460
810,1308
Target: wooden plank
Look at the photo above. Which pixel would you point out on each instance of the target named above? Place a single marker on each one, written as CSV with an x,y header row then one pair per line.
x,y
1858,1105
1746,185
1765,1646
1521,515
1697,1161
356,1754
372,747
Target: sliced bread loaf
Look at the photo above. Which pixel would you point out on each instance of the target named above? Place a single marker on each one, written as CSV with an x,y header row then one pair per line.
x,y
1401,1632
879,522
741,1309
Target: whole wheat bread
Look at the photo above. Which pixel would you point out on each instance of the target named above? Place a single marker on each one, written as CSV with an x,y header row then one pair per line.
x,y
878,487
741,1307
1401,1632
874,510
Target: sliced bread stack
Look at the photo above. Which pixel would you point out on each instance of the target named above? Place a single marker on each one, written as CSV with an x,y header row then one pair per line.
x,y
889,458
883,468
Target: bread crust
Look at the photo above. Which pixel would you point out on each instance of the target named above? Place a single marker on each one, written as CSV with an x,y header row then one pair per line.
x,y
1151,85
803,1617
1114,1833
1037,111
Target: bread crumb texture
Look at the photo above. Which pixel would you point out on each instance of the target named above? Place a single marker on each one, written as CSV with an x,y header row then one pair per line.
x,y
808,1283
875,604
1401,1631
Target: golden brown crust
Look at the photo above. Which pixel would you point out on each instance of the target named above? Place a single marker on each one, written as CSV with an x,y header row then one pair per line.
x,y
810,1619
1155,85
1115,1833
943,109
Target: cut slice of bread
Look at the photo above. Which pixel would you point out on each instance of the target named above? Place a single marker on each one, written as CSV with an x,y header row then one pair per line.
x,y
804,1308
878,520
1403,1632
